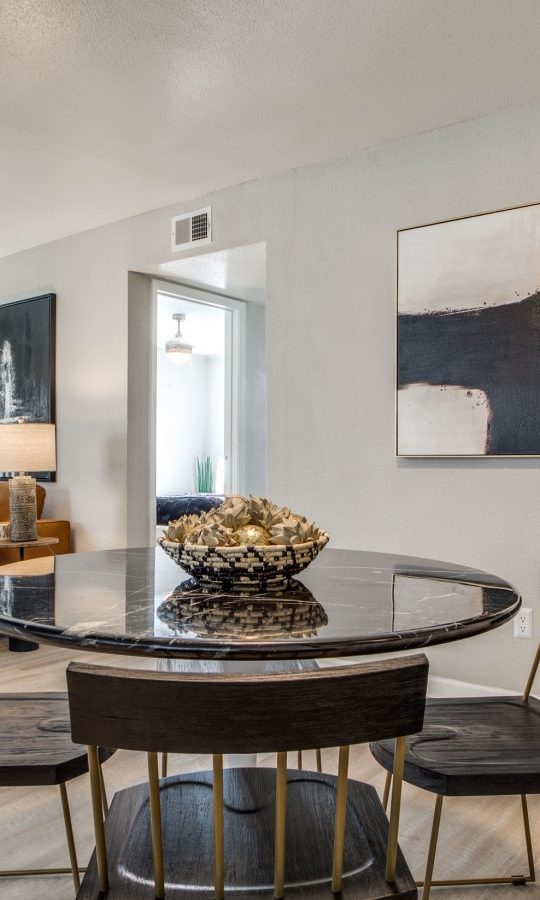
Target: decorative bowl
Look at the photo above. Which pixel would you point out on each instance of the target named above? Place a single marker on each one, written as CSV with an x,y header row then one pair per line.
x,y
259,568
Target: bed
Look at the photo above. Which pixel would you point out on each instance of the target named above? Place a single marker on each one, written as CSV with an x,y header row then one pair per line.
x,y
170,508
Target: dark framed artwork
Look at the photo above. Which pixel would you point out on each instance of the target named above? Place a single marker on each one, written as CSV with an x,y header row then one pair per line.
x,y
468,336
27,363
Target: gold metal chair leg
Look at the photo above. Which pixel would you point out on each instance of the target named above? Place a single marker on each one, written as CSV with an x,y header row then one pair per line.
x,y
155,817
432,847
13,873
395,804
528,842
219,854
455,882
281,810
299,759
164,762
101,851
386,792
341,815
319,760
74,869
532,674
104,802
70,838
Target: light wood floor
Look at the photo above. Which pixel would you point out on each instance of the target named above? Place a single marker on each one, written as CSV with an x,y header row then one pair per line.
x,y
477,836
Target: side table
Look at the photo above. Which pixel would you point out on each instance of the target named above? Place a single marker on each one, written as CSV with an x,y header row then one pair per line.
x,y
16,644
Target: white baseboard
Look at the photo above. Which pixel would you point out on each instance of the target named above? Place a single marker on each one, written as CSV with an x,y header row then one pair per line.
x,y
450,687
437,686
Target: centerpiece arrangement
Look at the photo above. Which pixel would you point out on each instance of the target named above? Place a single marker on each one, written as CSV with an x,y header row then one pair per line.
x,y
246,543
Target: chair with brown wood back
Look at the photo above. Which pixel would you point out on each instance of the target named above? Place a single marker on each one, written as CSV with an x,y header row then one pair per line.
x,y
239,713
474,747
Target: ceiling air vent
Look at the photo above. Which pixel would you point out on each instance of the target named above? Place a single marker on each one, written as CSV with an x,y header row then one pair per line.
x,y
191,228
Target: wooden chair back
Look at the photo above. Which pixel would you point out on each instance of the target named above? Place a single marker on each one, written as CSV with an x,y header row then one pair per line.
x,y
204,713
240,713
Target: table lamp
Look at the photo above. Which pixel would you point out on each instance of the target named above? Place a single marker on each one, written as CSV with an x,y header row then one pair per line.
x,y
25,447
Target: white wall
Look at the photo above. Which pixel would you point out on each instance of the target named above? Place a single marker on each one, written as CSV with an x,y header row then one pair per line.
x,y
181,422
330,232
190,397
215,414
255,400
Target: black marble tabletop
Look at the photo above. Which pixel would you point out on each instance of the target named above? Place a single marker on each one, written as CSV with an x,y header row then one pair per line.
x,y
347,602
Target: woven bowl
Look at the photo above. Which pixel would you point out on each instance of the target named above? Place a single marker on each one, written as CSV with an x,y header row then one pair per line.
x,y
233,568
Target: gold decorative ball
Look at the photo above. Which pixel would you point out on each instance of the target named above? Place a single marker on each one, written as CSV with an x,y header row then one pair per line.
x,y
252,536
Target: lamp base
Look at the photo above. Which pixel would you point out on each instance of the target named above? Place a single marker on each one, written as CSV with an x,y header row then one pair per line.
x,y
22,508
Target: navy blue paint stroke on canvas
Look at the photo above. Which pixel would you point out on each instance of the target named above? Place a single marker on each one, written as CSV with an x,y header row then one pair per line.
x,y
494,349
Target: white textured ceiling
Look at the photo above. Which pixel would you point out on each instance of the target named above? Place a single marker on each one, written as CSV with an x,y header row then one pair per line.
x,y
112,107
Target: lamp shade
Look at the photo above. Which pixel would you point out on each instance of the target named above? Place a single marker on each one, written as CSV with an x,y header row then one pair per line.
x,y
27,447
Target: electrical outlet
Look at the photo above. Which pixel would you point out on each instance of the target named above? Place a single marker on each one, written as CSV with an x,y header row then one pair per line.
x,y
523,623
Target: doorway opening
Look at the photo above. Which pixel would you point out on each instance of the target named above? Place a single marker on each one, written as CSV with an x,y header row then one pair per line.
x,y
199,408
218,412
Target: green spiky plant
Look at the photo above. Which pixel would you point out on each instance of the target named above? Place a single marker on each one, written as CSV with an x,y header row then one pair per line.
x,y
205,476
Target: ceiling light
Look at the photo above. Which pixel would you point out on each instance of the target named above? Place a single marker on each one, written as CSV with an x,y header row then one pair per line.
x,y
177,350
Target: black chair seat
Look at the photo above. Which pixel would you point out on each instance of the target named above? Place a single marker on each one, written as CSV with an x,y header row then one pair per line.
x,y
186,810
473,746
35,741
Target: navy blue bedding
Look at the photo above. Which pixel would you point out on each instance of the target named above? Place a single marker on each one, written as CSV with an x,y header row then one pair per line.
x,y
169,508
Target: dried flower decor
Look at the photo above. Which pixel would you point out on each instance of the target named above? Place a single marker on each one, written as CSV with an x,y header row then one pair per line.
x,y
241,521
246,542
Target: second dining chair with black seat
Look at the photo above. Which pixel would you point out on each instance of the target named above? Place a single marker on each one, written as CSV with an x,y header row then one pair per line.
x,y
36,749
238,713
474,747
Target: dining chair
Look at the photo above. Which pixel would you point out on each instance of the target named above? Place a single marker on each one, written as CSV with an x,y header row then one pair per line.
x,y
36,749
216,665
237,713
473,747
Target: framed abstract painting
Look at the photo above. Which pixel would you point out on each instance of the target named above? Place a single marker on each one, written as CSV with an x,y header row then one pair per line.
x,y
468,336
27,363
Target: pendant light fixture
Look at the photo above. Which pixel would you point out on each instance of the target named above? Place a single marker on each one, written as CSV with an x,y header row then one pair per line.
x,y
177,350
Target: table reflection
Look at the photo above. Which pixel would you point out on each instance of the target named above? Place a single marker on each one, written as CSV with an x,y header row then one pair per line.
x,y
289,612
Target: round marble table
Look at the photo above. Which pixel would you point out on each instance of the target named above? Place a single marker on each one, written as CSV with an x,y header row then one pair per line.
x,y
346,602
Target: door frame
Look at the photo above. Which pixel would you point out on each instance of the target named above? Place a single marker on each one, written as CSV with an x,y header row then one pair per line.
x,y
235,381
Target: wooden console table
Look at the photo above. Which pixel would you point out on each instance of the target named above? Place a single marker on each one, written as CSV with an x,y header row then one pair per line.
x,y
22,545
